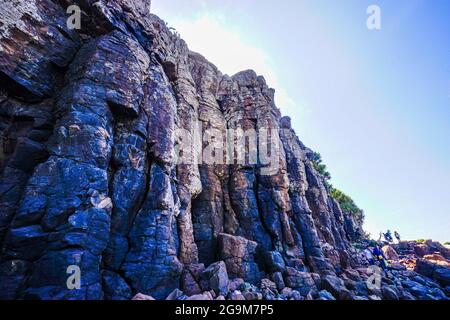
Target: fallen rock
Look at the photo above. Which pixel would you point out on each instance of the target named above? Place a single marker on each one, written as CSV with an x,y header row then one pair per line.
x,y
213,294
361,288
434,271
325,295
335,286
437,259
141,296
205,296
175,295
438,294
236,296
419,291
390,253
296,295
389,293
234,284
352,274
349,284
189,284
267,284
253,295
300,281
398,267
238,255
442,275
215,277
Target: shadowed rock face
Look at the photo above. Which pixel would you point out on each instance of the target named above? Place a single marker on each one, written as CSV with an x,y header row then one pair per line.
x,y
90,178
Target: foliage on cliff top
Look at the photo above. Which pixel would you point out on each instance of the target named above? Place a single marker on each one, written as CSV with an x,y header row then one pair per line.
x,y
346,202
319,166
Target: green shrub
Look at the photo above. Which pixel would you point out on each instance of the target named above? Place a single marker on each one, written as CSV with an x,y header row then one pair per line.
x,y
420,241
347,204
319,166
447,243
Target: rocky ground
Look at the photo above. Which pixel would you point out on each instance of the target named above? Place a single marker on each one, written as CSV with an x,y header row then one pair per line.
x,y
418,271
90,177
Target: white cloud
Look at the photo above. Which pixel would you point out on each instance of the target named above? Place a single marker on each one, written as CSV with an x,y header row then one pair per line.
x,y
211,35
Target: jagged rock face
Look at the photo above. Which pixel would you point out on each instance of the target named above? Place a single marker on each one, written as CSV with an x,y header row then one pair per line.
x,y
114,159
89,175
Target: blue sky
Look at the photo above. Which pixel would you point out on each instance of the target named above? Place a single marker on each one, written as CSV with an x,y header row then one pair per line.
x,y
375,104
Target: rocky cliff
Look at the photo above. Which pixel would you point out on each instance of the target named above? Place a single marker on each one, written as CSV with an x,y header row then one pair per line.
x,y
107,136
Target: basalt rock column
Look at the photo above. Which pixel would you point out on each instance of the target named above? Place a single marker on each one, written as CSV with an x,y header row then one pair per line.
x,y
211,209
65,211
302,214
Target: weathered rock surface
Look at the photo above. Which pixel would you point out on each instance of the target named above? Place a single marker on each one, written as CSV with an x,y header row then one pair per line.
x,y
390,253
238,254
113,162
421,249
215,278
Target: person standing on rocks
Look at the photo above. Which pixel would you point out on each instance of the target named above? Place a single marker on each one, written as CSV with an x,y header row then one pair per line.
x,y
379,255
388,236
397,236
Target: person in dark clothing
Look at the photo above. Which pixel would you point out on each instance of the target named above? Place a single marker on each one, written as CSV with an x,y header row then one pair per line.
x,y
388,236
379,256
397,236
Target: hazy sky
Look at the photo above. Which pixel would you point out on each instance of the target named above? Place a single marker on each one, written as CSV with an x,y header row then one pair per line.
x,y
375,104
